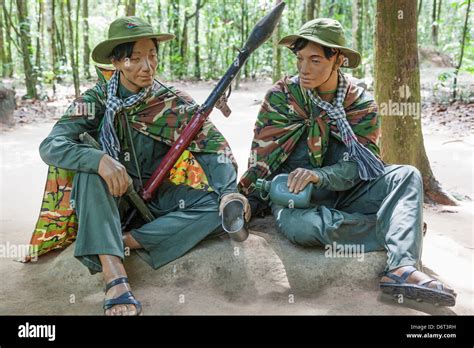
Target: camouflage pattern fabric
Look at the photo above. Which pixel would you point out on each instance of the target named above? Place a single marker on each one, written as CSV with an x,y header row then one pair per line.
x,y
57,223
162,116
283,117
187,171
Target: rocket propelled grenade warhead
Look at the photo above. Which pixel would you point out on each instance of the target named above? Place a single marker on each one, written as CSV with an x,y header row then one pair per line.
x,y
264,28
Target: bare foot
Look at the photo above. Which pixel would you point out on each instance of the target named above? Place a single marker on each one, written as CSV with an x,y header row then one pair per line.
x,y
131,242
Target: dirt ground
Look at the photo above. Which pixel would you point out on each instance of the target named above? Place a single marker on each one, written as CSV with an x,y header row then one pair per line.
x,y
447,253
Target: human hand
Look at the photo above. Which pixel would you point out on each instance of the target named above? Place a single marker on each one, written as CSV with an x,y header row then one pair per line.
x,y
299,178
230,196
114,174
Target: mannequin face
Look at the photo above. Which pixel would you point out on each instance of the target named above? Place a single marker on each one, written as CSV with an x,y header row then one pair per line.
x,y
138,71
313,67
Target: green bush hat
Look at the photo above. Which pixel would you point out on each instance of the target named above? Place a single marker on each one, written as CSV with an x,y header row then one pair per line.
x,y
325,32
126,29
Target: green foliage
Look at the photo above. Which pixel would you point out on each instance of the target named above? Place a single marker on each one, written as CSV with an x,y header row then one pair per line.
x,y
445,77
450,26
221,33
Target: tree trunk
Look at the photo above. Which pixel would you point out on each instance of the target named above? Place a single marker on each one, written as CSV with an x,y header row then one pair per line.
x,y
464,32
51,34
434,25
210,73
61,53
357,30
61,34
158,51
87,50
3,62
332,5
8,47
438,16
397,91
130,8
76,37
276,52
26,48
39,36
420,4
167,48
242,40
312,9
438,13
72,54
246,34
369,33
197,58
227,35
303,11
174,57
183,50
184,39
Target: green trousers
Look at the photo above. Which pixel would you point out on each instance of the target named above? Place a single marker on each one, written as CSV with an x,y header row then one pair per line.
x,y
381,214
185,216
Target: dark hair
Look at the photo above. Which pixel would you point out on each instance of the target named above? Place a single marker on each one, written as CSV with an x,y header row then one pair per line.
x,y
301,43
125,50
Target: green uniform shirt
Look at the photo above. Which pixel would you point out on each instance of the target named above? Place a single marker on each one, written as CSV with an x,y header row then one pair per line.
x,y
62,148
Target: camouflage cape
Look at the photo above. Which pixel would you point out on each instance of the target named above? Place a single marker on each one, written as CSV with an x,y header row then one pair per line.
x,y
286,113
162,116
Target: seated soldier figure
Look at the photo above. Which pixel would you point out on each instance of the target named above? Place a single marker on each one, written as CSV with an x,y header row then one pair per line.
x,y
323,130
137,120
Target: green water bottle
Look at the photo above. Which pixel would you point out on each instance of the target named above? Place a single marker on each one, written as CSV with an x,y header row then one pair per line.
x,y
277,191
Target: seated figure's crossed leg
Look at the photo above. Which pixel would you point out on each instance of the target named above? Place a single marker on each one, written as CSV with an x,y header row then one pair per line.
x,y
384,213
185,216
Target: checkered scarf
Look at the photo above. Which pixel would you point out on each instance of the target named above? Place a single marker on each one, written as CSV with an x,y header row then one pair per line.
x,y
370,167
108,137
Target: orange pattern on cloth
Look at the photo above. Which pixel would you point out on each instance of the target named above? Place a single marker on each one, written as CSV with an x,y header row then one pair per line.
x,y
187,171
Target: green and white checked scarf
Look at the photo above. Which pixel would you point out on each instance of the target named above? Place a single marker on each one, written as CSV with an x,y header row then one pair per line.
x,y
108,136
370,167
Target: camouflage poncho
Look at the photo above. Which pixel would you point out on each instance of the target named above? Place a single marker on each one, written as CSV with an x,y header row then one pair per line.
x,y
162,116
286,113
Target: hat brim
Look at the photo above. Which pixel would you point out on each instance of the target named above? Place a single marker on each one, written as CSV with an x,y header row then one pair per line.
x,y
352,56
102,51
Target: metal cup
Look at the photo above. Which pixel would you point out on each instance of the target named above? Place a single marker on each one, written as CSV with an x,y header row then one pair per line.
x,y
233,220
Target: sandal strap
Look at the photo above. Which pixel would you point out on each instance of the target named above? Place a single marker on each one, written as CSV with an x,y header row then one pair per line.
x,y
394,277
125,298
406,274
425,283
403,278
115,282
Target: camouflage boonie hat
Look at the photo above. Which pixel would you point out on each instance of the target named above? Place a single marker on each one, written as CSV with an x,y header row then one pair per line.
x,y
325,32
